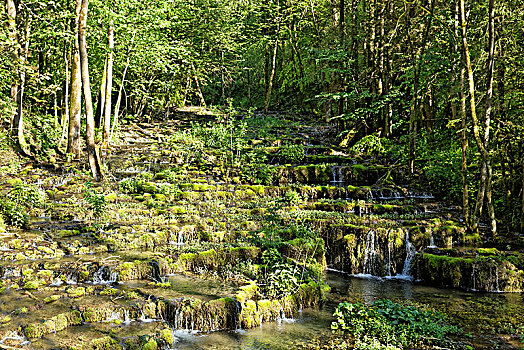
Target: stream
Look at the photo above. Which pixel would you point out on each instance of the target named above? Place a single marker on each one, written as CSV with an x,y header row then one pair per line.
x,y
315,324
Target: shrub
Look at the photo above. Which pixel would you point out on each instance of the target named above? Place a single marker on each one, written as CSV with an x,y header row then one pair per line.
x,y
291,153
391,323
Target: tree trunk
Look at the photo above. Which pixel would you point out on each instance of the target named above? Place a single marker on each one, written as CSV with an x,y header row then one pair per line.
x,y
414,109
476,132
73,141
273,69
18,85
92,152
464,165
101,99
109,83
65,111
119,98
522,204
199,90
342,38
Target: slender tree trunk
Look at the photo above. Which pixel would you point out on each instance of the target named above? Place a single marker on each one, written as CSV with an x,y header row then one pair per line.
x,y
342,38
273,69
522,203
73,140
414,109
109,83
65,110
199,90
486,171
18,85
119,98
92,152
101,100
464,166
471,80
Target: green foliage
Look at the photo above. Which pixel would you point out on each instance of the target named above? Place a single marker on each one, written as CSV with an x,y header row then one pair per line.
x,y
391,323
292,153
13,214
26,195
96,201
292,197
281,281
371,145
130,185
19,200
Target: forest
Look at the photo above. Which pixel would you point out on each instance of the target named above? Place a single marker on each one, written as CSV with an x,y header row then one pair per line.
x,y
245,174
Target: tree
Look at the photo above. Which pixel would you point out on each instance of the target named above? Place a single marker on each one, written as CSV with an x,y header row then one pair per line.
x,y
92,151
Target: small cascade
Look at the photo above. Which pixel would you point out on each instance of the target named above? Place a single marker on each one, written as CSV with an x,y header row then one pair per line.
x,y
338,176
388,262
155,272
71,279
432,240
144,319
371,254
104,275
410,254
473,278
127,319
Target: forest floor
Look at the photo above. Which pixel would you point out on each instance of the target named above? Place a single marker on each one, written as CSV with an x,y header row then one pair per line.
x,y
211,222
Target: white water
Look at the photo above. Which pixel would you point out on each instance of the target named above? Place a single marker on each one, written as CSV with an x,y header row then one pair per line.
x,y
370,255
410,254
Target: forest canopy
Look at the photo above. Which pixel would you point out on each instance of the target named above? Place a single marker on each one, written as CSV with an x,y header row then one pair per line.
x,y
439,82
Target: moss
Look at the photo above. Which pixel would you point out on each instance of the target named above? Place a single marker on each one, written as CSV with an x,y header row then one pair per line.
x,y
32,284
246,292
359,168
105,343
166,335
111,197
383,208
249,316
190,196
51,299
77,292
488,251
177,210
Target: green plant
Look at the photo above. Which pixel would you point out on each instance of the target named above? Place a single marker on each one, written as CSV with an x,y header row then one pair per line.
x,y
19,201
129,186
281,281
370,145
391,323
95,200
292,153
292,197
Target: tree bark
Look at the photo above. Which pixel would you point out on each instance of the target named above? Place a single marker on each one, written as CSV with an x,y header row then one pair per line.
x,y
101,100
109,83
73,140
65,111
18,85
522,204
273,69
464,165
471,81
119,98
92,152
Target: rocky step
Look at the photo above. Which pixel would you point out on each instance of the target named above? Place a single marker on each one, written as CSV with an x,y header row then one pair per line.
x,y
479,269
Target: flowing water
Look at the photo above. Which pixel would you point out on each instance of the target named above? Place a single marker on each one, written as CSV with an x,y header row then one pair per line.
x,y
315,324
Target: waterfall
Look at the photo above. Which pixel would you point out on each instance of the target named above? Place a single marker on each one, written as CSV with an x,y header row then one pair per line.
x,y
338,176
410,254
370,257
474,282
431,240
104,275
388,265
